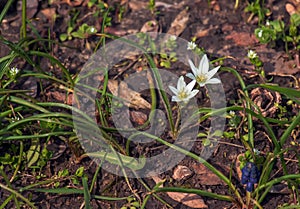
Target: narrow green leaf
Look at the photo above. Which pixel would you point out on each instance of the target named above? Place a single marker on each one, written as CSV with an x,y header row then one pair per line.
x,y
33,153
87,195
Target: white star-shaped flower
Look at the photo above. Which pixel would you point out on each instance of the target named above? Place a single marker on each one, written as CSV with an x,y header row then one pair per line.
x,y
251,54
202,75
184,92
260,33
14,71
191,45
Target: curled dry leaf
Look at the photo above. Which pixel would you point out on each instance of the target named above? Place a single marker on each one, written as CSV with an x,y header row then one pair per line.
x,y
181,172
132,98
237,166
179,23
265,100
191,200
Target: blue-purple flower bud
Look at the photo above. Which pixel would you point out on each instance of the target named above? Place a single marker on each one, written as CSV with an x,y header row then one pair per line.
x,y
245,179
250,187
253,180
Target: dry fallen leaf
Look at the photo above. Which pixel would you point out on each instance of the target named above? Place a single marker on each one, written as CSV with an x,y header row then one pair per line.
x,y
179,23
137,5
215,5
202,33
132,98
291,9
150,26
286,67
191,200
138,117
242,38
49,13
60,97
206,176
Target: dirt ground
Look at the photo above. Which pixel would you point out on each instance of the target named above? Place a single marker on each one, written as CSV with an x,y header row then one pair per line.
x,y
218,28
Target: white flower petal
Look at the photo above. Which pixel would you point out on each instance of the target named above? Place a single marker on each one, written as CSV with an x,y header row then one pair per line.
x,y
180,84
212,72
191,76
191,45
173,89
213,81
190,86
194,69
176,99
203,65
193,93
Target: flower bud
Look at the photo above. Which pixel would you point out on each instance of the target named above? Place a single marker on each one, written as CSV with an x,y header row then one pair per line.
x,y
250,187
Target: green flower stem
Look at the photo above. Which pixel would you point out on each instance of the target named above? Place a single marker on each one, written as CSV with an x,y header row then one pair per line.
x,y
96,175
24,17
86,193
248,198
178,119
249,116
143,205
19,162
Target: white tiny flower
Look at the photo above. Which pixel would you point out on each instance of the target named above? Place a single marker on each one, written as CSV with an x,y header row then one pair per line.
x,y
191,45
93,30
14,119
251,54
267,23
256,151
201,74
173,38
184,92
231,113
260,33
14,71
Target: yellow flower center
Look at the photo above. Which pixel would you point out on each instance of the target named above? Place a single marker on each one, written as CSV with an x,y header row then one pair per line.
x,y
201,78
182,95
